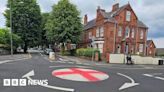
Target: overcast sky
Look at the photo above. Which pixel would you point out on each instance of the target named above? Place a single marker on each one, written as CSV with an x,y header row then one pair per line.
x,y
151,12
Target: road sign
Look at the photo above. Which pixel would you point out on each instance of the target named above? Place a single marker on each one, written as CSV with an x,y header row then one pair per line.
x,y
80,74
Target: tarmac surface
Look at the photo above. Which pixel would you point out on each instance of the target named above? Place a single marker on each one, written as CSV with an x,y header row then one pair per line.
x,y
120,77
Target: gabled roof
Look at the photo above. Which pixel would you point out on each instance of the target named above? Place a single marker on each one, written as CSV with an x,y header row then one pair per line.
x,y
141,24
149,42
109,16
90,24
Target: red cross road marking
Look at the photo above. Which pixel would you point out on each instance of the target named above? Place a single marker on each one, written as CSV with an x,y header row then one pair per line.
x,y
87,74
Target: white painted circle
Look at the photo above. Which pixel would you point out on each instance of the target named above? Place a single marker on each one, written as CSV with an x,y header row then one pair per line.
x,y
80,74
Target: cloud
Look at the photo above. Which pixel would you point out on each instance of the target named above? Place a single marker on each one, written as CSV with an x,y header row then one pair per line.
x,y
2,9
159,42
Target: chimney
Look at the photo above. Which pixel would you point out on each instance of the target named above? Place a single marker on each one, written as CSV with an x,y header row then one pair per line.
x,y
85,19
98,8
115,7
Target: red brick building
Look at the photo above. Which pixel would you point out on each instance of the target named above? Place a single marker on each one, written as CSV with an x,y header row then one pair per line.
x,y
150,48
117,31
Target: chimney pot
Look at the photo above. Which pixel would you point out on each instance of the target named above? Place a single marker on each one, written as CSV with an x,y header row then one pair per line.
x,y
85,19
115,7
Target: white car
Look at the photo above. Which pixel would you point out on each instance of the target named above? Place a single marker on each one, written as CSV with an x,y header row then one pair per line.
x,y
47,51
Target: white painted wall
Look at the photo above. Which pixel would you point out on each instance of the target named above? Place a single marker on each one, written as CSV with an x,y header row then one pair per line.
x,y
116,58
120,58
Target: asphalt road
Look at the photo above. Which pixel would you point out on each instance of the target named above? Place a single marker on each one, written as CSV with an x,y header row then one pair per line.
x,y
135,78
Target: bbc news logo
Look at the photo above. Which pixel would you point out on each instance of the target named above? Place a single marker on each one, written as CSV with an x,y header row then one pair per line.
x,y
23,82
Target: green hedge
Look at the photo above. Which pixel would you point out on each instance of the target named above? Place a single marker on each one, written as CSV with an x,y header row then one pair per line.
x,y
88,52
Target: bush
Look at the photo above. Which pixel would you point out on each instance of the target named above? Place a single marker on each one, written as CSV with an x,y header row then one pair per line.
x,y
87,52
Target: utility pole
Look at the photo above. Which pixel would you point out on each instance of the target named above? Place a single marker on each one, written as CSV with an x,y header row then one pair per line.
x,y
11,37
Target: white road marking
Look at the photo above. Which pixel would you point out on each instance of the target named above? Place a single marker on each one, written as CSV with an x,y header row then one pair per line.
x,y
159,78
70,62
31,73
148,75
127,85
80,74
6,61
68,66
153,75
86,64
157,73
41,54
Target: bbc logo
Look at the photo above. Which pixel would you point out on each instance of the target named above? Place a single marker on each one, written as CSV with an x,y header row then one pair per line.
x,y
14,82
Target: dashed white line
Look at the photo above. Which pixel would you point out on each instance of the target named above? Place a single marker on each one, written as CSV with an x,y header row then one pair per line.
x,y
148,75
159,78
153,76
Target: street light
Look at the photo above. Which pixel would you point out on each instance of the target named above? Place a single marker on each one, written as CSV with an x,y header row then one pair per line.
x,y
11,37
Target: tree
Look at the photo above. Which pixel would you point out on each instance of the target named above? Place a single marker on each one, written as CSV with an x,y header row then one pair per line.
x,y
26,21
5,38
64,24
44,41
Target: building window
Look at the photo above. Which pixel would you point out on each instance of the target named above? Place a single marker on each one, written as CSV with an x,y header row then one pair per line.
x,y
141,48
133,33
97,32
100,32
120,31
119,48
128,15
100,47
90,35
127,32
141,34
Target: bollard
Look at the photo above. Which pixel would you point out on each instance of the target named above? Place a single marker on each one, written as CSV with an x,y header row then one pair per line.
x,y
52,56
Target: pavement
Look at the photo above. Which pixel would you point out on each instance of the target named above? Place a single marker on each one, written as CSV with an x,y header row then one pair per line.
x,y
65,75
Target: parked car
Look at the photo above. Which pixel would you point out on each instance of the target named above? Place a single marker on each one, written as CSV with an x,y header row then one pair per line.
x,y
47,51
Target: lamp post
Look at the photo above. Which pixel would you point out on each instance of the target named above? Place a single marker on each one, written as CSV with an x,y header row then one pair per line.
x,y
11,37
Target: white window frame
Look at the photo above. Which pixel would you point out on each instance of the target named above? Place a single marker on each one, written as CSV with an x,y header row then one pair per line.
x,y
133,33
141,48
97,32
127,32
141,34
128,15
90,35
101,32
120,31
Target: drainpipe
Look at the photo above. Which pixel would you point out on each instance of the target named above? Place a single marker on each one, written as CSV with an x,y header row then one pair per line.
x,y
136,39
114,45
145,42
